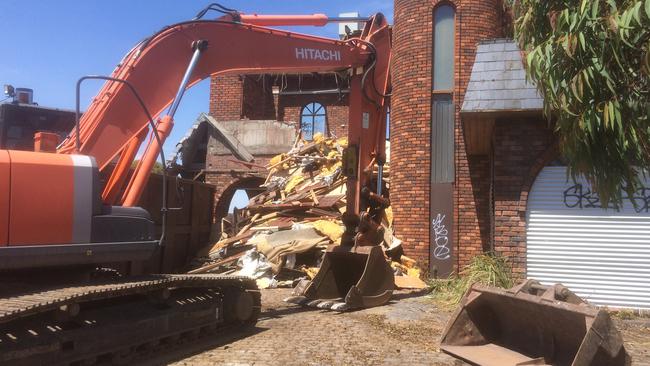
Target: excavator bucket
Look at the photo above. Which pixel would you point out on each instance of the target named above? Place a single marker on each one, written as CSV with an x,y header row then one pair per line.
x,y
531,324
349,278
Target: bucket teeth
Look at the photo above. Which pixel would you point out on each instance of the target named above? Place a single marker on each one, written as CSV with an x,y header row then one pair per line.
x,y
325,305
340,306
314,303
320,304
298,300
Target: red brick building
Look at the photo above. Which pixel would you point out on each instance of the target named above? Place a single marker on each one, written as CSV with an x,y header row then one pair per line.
x,y
488,175
468,192
253,118
475,162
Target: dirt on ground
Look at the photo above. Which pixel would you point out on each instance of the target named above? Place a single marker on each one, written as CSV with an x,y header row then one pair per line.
x,y
406,331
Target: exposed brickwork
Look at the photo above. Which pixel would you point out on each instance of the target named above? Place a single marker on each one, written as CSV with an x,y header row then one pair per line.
x,y
479,20
228,177
521,145
411,126
226,97
290,107
258,97
250,97
227,184
475,227
236,97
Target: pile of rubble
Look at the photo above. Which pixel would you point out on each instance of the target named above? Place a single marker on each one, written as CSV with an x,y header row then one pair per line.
x,y
281,235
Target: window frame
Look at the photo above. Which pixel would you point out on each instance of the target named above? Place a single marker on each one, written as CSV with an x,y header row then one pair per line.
x,y
433,48
314,113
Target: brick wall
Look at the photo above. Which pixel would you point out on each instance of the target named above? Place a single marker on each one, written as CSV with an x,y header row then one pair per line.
x,y
226,97
290,107
258,97
411,126
475,223
523,147
230,177
234,97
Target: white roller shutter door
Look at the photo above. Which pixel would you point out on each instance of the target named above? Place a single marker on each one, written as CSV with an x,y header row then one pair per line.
x,y
601,254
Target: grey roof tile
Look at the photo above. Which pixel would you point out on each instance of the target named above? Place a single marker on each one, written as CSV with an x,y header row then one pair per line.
x,y
498,80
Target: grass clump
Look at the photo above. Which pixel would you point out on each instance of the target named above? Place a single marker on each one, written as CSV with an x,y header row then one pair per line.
x,y
624,314
487,269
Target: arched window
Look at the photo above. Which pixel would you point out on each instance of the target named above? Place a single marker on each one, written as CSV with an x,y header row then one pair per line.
x,y
443,48
313,119
442,106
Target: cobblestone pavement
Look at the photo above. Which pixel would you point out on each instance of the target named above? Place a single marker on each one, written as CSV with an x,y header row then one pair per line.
x,y
405,332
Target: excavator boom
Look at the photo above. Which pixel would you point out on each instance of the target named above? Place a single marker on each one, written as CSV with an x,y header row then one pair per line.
x,y
156,66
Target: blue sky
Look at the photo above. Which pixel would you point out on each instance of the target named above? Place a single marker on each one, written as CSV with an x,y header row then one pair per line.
x,y
48,45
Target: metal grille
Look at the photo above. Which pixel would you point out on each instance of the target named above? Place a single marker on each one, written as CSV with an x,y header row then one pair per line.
x,y
442,139
601,254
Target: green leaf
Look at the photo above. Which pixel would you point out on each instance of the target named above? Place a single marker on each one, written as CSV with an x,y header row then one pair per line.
x,y
595,10
647,8
612,5
617,117
647,59
618,61
611,113
585,76
636,13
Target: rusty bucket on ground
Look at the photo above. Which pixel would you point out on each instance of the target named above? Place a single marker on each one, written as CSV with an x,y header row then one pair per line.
x,y
349,278
531,324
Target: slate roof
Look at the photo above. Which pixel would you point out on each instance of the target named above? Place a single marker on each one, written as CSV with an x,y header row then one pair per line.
x,y
498,81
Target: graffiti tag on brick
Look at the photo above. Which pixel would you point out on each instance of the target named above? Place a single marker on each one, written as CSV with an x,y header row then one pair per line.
x,y
441,251
581,197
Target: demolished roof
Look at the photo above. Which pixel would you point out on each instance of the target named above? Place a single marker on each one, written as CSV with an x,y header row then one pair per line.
x,y
186,147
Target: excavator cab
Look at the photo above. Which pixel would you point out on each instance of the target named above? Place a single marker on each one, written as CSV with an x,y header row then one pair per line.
x,y
532,324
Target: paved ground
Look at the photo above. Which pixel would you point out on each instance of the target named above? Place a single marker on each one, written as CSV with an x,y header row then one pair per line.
x,y
404,332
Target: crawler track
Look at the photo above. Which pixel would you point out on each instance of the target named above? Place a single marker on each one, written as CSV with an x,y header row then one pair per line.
x,y
105,323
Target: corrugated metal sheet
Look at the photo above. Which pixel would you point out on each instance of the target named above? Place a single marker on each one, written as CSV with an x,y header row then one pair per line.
x,y
601,254
442,139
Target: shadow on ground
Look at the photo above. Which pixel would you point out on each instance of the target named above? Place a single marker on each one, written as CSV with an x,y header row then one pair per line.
x,y
191,348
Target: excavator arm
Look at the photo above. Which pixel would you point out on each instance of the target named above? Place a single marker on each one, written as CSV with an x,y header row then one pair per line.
x,y
162,66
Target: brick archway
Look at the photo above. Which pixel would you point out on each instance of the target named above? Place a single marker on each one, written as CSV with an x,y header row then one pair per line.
x,y
550,154
225,197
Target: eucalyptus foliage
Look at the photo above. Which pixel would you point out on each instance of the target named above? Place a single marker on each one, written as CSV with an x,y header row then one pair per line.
x,y
591,62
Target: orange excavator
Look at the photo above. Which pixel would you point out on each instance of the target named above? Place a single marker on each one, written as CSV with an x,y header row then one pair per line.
x,y
57,217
